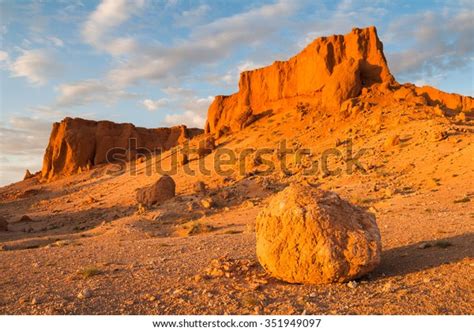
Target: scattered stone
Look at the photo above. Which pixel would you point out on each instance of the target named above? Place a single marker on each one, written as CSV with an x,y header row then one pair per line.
x,y
230,268
192,206
424,245
162,190
200,187
438,135
461,117
207,203
84,294
149,298
442,244
462,200
391,142
390,192
352,284
91,200
193,228
25,218
292,246
387,287
248,204
141,209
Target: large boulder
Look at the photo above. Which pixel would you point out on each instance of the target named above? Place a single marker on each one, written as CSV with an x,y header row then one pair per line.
x,y
162,190
311,236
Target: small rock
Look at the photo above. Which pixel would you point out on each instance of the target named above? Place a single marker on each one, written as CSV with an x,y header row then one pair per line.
x,y
389,192
84,294
197,278
352,284
207,203
200,187
150,298
424,245
387,287
35,301
461,117
140,209
248,204
192,206
25,218
391,142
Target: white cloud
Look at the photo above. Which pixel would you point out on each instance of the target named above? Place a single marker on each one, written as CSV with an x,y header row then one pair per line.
x,y
38,66
194,115
188,118
23,141
206,44
152,105
89,91
178,91
24,135
192,17
108,16
4,60
56,41
435,48
3,56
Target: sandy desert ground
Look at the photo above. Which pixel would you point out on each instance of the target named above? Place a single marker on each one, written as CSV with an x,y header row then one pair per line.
x,y
79,245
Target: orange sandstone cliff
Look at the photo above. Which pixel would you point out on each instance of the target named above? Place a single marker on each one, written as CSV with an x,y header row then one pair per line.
x,y
326,73
76,144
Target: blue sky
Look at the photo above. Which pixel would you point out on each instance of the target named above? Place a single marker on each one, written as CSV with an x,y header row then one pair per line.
x,y
159,63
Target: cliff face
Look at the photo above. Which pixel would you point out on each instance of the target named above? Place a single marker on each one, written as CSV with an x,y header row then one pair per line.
x,y
76,144
328,71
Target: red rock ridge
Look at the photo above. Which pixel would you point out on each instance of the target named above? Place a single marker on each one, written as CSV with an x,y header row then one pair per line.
x,y
77,143
327,72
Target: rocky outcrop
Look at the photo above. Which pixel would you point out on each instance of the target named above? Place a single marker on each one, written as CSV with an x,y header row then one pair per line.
x,y
76,144
326,73
310,236
28,175
451,101
330,70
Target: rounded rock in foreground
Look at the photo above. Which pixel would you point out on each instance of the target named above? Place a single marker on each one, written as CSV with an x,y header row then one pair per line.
x,y
311,236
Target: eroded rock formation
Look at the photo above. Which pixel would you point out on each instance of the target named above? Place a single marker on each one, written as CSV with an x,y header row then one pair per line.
x,y
76,144
326,73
